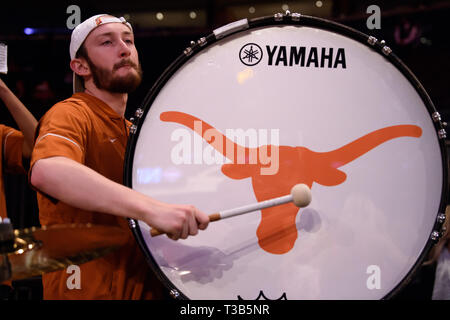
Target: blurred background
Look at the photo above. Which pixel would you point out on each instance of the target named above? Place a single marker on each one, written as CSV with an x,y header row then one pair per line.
x,y
37,36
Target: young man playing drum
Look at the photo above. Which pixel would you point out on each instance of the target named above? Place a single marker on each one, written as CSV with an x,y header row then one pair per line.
x,y
78,160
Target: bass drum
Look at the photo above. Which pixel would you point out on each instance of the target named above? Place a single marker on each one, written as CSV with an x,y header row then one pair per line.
x,y
260,105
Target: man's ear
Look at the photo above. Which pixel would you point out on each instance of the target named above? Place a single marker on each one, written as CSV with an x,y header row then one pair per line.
x,y
80,67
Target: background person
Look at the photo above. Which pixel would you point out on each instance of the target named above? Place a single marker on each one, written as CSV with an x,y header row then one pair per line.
x,y
14,146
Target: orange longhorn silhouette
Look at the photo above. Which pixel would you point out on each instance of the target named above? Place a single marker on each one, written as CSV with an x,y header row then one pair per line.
x,y
277,231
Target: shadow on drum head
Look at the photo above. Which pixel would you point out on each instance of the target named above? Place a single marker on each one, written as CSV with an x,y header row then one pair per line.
x,y
309,221
199,264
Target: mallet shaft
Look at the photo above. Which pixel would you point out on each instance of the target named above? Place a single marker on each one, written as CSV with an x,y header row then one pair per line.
x,y
240,210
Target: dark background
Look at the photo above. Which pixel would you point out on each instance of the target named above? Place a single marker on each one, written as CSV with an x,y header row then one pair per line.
x,y
39,72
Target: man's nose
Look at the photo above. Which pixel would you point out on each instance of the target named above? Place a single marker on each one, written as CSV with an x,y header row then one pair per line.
x,y
124,50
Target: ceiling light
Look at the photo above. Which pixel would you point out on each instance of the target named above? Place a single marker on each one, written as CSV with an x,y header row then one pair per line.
x,y
159,16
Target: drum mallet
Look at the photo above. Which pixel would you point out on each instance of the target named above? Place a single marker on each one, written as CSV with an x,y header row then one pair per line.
x,y
300,196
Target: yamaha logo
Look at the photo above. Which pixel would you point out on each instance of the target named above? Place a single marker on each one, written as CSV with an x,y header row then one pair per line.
x,y
287,56
250,54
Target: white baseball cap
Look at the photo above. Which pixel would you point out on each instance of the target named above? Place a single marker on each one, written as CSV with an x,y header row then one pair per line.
x,y
80,33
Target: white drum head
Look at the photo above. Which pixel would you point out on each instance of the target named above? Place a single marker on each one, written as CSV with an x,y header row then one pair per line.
x,y
347,122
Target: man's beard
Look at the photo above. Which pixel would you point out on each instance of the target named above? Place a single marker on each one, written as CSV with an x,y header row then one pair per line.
x,y
105,80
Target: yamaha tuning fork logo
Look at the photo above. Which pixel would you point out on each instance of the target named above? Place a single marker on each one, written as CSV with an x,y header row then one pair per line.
x,y
250,54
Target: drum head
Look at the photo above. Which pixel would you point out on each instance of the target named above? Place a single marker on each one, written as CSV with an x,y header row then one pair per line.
x,y
312,104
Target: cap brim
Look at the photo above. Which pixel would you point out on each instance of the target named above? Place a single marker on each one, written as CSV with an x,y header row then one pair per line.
x,y
78,84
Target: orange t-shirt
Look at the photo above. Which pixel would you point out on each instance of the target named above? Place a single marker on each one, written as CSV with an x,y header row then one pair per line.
x,y
85,129
11,142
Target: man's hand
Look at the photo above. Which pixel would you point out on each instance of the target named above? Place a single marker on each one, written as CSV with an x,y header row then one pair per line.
x,y
178,221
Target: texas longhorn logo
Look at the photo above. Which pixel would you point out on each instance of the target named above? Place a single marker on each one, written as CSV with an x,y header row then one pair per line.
x,y
277,231
98,21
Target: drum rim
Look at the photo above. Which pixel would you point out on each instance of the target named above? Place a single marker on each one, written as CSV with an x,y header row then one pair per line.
x,y
295,20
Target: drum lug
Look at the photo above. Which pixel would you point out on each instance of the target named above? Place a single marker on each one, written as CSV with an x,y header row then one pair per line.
x,y
278,16
435,235
132,223
442,134
372,40
441,218
386,50
436,116
188,51
296,16
174,293
139,112
202,41
133,129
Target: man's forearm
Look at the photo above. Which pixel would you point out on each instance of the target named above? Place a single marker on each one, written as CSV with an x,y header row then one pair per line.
x,y
23,117
84,188
81,187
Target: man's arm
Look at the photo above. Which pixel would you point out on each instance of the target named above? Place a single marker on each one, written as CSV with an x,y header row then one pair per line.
x,y
24,119
82,187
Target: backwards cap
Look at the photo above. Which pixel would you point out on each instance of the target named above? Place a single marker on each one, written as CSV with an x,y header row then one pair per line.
x,y
80,33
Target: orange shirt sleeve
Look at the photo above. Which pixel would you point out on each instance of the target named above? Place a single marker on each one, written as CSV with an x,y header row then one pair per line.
x,y
62,132
12,150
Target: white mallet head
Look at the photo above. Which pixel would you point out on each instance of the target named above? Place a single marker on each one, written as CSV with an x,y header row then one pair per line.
x,y
301,195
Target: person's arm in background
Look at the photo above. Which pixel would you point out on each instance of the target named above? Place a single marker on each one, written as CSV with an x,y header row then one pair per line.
x,y
23,117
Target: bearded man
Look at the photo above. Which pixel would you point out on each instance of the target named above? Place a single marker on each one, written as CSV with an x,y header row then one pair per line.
x,y
77,166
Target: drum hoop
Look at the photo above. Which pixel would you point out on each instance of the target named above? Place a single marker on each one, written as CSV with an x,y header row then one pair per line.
x,y
297,20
